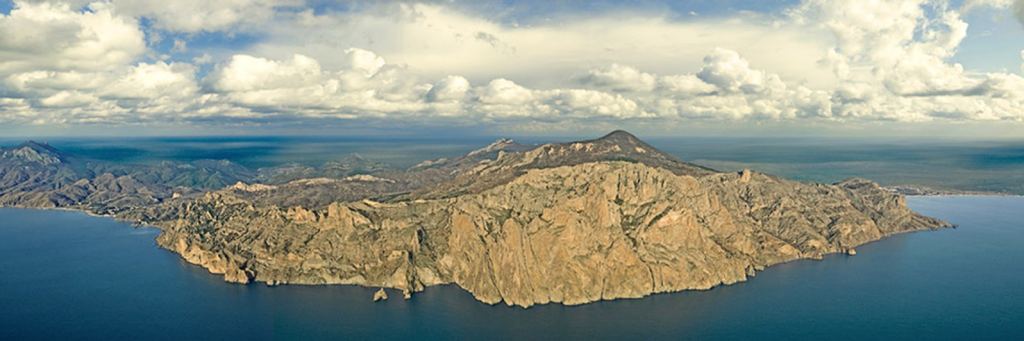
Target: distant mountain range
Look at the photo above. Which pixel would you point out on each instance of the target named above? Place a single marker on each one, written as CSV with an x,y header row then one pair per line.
x,y
572,223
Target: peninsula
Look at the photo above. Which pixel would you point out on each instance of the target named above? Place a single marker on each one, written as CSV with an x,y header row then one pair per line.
x,y
569,223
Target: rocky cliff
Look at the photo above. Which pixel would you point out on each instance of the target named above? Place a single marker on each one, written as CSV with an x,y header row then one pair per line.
x,y
570,223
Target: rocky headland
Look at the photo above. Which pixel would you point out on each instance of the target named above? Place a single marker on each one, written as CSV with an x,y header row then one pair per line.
x,y
569,223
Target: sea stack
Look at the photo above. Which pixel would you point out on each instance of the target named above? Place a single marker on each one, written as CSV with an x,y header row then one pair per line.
x,y
380,295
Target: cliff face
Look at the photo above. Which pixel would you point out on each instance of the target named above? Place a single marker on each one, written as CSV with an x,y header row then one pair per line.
x,y
571,234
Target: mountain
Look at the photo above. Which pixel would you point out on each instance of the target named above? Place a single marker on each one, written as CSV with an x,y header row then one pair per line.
x,y
35,174
570,223
618,145
356,178
507,165
353,164
32,152
31,173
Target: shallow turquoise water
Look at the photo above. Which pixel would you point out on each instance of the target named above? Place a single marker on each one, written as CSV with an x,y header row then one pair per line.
x,y
71,276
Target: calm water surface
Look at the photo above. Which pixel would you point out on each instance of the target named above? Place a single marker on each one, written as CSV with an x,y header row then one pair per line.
x,y
70,276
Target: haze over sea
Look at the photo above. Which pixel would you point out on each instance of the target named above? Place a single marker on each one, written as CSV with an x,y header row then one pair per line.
x,y
988,166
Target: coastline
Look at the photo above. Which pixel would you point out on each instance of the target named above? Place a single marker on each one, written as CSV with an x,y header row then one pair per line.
x,y
398,291
906,275
909,190
132,223
956,195
232,279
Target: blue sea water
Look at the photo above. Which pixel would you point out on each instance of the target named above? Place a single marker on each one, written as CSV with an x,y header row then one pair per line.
x,y
66,275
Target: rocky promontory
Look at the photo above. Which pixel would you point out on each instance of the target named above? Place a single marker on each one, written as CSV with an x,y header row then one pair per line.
x,y
568,223
511,232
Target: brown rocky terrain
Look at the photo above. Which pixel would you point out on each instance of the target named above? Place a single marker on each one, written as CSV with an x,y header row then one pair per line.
x,y
570,223
615,219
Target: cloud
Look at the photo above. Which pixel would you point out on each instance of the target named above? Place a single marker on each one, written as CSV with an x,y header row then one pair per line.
x,y
684,85
358,59
192,16
619,78
68,99
1015,6
247,73
502,100
503,91
53,37
732,73
435,41
1018,9
908,53
154,81
16,110
143,92
408,64
365,87
901,70
300,86
62,65
728,88
451,88
589,104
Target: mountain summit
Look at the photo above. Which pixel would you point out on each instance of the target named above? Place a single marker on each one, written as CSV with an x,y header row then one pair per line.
x,y
618,145
619,136
33,152
622,146
623,142
509,163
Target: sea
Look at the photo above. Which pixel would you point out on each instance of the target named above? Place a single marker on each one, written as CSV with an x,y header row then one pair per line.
x,y
67,275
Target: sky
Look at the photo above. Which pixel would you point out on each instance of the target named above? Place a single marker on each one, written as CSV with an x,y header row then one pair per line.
x,y
932,68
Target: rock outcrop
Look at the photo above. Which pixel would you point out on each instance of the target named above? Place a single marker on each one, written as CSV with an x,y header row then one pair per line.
x,y
380,295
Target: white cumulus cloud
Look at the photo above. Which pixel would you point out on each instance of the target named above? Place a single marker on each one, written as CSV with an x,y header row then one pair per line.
x,y
55,37
619,78
409,63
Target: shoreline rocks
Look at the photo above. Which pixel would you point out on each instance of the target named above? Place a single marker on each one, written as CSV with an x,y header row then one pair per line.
x,y
380,295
